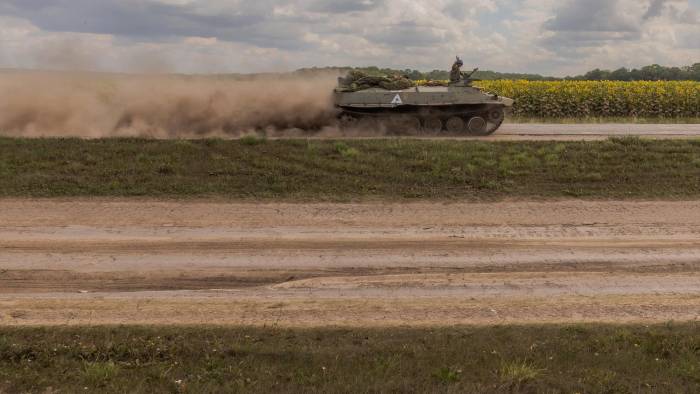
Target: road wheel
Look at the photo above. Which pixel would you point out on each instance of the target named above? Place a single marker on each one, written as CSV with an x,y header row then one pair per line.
x,y
432,125
455,125
477,125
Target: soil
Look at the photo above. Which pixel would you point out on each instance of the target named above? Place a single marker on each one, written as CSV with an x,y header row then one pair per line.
x,y
545,132
110,261
563,132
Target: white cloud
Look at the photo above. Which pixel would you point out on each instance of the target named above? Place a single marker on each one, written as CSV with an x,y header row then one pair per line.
x,y
546,36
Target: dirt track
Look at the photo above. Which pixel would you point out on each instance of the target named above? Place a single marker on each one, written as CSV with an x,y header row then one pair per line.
x,y
111,261
535,132
594,131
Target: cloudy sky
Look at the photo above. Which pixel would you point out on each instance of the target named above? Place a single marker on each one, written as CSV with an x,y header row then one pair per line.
x,y
556,37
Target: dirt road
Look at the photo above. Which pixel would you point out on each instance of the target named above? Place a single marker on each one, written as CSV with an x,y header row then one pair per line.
x,y
112,262
544,132
534,131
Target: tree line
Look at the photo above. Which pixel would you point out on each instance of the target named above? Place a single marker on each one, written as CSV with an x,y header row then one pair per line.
x,y
653,72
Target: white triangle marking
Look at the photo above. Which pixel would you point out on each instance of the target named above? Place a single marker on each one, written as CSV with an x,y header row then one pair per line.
x,y
397,100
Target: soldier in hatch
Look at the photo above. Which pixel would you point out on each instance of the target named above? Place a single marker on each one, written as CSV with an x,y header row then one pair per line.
x,y
456,73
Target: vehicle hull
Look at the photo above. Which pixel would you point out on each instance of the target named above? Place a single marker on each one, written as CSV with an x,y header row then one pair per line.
x,y
453,109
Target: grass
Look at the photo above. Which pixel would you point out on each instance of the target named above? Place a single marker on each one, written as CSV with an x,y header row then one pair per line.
x,y
322,170
514,374
527,359
99,373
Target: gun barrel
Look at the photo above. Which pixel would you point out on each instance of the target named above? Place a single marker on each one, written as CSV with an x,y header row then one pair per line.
x,y
468,75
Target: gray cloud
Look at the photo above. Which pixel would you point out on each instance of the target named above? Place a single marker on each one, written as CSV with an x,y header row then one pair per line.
x,y
670,8
457,9
589,23
591,16
123,17
148,20
344,6
409,34
573,45
656,8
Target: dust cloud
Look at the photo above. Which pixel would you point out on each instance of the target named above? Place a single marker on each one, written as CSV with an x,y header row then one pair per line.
x,y
91,105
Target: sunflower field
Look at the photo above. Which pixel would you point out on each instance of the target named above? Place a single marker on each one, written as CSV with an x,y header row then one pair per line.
x,y
581,99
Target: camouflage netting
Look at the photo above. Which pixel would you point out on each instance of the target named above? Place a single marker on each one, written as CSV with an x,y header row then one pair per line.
x,y
358,80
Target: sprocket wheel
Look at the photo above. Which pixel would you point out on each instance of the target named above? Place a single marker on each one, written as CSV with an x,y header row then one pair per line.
x,y
495,118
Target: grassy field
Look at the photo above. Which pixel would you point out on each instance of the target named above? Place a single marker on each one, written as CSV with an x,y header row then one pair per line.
x,y
301,170
596,359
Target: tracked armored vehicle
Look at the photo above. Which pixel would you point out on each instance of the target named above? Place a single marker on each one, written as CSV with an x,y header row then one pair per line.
x,y
455,109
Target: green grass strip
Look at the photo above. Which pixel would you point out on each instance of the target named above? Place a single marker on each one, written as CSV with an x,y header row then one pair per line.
x,y
323,170
566,359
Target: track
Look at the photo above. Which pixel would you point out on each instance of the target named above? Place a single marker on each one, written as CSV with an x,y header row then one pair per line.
x,y
376,264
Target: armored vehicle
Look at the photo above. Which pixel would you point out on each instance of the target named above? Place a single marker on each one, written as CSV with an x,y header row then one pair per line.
x,y
457,107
